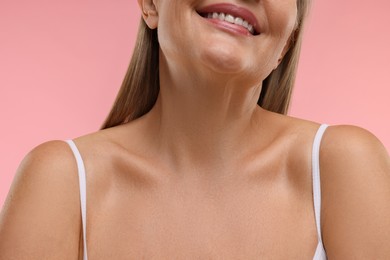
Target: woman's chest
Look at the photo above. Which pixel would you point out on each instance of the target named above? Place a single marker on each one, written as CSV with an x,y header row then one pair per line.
x,y
186,223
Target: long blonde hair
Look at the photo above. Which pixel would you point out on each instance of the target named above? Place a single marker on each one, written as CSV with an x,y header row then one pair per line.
x,y
141,84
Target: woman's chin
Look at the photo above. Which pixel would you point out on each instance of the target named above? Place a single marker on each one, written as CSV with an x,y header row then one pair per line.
x,y
224,61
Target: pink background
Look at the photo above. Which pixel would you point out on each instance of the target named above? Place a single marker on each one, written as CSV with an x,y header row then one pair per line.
x,y
62,62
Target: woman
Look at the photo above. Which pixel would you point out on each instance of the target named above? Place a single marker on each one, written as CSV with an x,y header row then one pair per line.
x,y
197,159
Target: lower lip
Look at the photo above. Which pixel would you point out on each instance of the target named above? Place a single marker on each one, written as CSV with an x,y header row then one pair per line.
x,y
229,27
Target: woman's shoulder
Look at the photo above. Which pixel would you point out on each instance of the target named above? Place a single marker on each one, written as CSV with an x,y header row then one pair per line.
x,y
46,159
343,148
58,155
350,149
355,185
44,199
351,140
51,167
351,152
43,203
337,139
355,177
47,168
355,181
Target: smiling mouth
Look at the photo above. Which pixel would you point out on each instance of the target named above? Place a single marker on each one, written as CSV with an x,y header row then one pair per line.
x,y
229,18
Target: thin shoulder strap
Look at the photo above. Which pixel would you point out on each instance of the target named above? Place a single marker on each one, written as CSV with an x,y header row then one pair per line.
x,y
316,178
83,192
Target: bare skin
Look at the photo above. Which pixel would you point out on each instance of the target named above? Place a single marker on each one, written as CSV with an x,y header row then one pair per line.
x,y
206,174
254,205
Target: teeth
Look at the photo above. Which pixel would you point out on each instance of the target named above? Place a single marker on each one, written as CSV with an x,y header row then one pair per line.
x,y
231,19
250,28
238,21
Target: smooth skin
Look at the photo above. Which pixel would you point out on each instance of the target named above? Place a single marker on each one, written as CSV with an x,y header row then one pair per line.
x,y
206,174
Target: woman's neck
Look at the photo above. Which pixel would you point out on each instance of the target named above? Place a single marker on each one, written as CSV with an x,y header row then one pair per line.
x,y
203,122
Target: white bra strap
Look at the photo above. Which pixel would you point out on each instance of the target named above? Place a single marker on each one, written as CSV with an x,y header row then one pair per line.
x,y
83,192
316,177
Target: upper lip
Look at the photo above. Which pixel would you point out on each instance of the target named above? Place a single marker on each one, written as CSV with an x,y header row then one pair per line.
x,y
234,10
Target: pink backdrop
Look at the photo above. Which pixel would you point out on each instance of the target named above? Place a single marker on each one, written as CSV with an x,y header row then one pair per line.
x,y
62,62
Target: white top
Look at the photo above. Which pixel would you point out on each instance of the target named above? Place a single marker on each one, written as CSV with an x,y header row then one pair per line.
x,y
319,253
83,192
